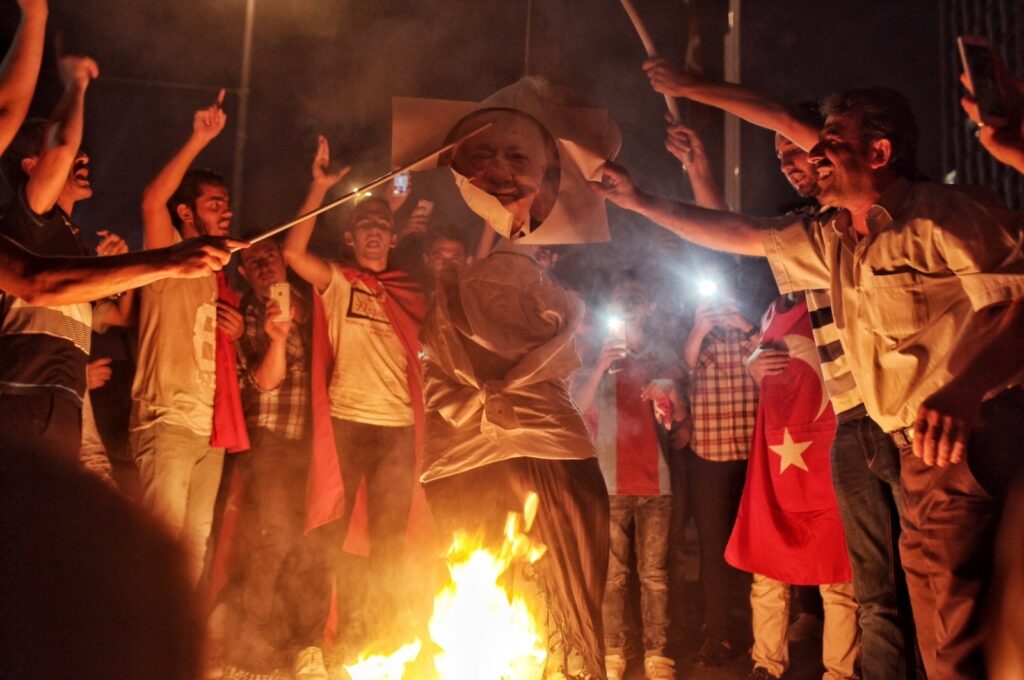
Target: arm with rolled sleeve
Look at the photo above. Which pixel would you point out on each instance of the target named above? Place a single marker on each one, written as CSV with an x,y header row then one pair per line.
x,y
796,252
987,256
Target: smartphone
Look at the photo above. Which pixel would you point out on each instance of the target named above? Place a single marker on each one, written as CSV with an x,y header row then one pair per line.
x,y
400,184
281,293
979,61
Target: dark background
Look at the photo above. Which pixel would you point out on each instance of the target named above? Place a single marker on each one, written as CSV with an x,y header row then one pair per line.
x,y
333,65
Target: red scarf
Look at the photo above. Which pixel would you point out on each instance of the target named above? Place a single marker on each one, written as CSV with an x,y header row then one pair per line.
x,y
229,431
405,307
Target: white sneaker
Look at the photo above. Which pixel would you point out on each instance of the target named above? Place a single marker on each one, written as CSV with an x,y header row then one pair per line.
x,y
309,665
659,668
615,666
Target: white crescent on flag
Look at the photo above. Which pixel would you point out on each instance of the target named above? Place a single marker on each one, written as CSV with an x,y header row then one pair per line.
x,y
803,349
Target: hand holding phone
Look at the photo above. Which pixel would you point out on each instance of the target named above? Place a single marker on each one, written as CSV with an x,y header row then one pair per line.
x,y
281,293
984,80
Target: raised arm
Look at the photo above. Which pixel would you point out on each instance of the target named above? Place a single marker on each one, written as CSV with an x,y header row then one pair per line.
x,y
20,69
70,280
63,135
684,143
308,265
752,106
157,227
726,231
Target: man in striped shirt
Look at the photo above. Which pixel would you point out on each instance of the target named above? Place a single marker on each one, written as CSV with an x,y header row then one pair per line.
x,y
45,349
865,462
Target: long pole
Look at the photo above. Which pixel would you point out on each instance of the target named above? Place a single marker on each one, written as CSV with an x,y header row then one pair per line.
x,y
241,130
284,226
645,38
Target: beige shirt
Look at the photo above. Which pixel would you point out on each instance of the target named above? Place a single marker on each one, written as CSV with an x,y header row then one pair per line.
x,y
905,295
370,384
176,373
500,347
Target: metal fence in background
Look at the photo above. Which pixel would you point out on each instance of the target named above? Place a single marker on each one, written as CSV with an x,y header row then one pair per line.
x,y
964,161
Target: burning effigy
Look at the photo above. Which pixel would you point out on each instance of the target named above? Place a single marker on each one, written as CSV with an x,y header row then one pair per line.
x,y
501,427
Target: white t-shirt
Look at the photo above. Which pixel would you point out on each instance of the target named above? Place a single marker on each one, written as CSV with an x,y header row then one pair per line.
x,y
370,384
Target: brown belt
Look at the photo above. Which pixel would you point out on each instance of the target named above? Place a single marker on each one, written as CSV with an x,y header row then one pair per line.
x,y
903,437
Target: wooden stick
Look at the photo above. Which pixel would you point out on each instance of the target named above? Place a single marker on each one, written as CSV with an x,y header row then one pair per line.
x,y
645,38
284,226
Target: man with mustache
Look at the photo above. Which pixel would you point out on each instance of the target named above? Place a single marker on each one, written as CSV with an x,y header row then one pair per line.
x,y
864,461
179,451
920,277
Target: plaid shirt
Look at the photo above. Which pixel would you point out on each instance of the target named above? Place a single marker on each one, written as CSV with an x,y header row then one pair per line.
x,y
723,396
285,409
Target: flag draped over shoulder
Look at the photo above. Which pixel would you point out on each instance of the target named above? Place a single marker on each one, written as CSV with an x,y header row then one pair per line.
x,y
788,525
229,431
405,307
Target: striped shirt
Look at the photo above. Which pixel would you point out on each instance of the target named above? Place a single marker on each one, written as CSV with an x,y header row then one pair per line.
x,y
43,349
285,409
723,396
842,389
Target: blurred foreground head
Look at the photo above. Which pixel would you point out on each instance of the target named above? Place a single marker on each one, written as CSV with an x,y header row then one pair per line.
x,y
92,587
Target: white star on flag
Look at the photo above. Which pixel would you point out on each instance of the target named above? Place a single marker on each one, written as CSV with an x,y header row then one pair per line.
x,y
790,452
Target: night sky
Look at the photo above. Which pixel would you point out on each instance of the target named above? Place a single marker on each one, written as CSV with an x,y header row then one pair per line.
x,y
332,66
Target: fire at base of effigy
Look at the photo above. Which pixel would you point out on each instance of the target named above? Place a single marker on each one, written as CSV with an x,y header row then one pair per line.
x,y
478,628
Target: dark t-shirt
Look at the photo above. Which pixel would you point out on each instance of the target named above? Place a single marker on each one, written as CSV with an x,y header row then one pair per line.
x,y
42,349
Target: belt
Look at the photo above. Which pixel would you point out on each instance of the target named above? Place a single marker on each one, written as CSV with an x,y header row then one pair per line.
x,y
903,437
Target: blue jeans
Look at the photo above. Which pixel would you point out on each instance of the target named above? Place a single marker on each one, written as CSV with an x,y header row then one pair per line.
x,y
866,478
647,518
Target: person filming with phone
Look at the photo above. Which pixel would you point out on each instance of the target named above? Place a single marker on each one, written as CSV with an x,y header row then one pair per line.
x,y
994,101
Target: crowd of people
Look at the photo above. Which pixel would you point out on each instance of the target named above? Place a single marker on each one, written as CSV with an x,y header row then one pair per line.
x,y
839,407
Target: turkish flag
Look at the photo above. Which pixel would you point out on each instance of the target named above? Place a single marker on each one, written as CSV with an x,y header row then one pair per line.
x,y
788,525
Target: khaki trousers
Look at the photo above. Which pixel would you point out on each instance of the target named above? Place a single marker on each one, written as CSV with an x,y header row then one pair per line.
x,y
180,474
769,600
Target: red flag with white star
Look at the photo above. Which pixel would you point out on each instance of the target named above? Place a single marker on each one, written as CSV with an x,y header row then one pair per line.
x,y
788,525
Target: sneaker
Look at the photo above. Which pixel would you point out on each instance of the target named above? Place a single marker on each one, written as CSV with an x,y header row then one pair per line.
x,y
713,652
659,668
309,665
760,673
615,666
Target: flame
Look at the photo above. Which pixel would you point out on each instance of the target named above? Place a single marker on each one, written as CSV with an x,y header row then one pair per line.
x,y
381,667
479,630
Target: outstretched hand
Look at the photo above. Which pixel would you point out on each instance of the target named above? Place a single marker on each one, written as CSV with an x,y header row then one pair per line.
x,y
616,186
667,80
322,175
684,143
209,122
198,257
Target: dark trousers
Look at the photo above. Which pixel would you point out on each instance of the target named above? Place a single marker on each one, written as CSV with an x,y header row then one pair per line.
x,y
285,584
49,424
384,458
715,490
866,478
948,537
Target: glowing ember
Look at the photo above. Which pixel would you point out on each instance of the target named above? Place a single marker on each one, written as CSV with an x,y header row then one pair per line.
x,y
479,630
381,667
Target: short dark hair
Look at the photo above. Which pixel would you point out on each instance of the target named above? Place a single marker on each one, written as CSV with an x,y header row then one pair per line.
x,y
446,232
191,188
366,201
27,143
883,113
